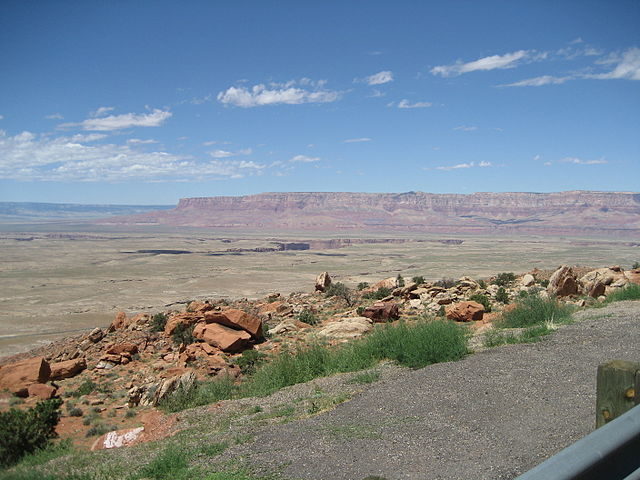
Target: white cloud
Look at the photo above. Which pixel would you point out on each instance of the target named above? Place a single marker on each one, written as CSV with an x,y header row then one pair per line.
x,y
227,154
100,112
28,157
1,117
547,164
579,161
379,78
536,158
89,137
138,141
356,140
508,60
628,67
539,81
54,116
118,122
406,104
278,93
466,128
465,165
304,159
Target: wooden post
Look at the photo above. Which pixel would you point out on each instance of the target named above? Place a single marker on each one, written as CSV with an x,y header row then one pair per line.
x,y
618,389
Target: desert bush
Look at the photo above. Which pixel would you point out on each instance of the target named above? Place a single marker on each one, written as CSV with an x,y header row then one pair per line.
x,y
630,292
340,290
249,361
482,284
360,310
534,310
502,296
504,279
158,322
400,281
85,388
635,265
308,317
419,279
544,283
446,282
75,412
183,334
362,286
379,294
483,300
100,429
24,431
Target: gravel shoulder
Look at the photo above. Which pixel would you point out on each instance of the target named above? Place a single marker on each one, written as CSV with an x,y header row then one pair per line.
x,y
493,415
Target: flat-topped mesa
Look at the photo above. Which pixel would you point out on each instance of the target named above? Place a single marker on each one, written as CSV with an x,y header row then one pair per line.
x,y
561,212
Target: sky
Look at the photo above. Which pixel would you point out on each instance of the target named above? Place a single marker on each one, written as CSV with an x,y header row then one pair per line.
x,y
146,102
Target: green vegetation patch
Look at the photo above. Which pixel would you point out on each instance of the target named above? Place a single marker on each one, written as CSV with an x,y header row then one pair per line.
x,y
630,292
534,310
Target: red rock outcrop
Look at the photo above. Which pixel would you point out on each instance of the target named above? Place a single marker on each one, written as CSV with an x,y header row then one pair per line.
x,y
16,377
563,282
382,312
225,338
465,311
237,319
67,369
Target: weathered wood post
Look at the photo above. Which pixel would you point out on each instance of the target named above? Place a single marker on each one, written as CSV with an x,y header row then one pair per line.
x,y
618,389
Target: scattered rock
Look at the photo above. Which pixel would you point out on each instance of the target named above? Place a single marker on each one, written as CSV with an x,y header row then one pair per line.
x,y
237,319
225,338
119,322
382,312
67,369
465,311
346,328
323,281
122,348
563,282
41,390
16,377
96,335
528,280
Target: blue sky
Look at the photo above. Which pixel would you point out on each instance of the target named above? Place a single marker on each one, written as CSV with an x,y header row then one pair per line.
x,y
146,102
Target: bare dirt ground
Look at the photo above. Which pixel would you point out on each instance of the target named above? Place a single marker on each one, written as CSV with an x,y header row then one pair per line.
x,y
56,282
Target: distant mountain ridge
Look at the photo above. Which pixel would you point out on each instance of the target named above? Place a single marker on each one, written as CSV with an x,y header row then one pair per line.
x,y
572,212
11,212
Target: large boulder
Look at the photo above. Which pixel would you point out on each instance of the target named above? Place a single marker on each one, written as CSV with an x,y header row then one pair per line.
x,y
42,391
225,338
563,283
67,369
465,311
382,312
185,319
602,280
237,319
323,281
119,322
118,438
346,328
16,377
528,280
123,348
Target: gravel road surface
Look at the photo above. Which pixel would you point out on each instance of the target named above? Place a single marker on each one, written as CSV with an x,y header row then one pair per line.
x,y
492,415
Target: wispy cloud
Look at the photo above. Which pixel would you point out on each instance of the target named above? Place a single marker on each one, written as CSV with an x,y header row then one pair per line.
x,y
539,81
627,67
227,154
357,140
579,161
1,117
290,93
466,128
407,104
465,165
101,112
304,159
379,78
508,60
118,122
29,157
54,116
138,141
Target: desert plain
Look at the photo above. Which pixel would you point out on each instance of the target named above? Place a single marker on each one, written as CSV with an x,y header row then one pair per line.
x,y
61,279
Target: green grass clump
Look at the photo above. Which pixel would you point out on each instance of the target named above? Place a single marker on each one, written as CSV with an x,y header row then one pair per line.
x,y
379,294
308,317
504,279
497,336
172,462
630,292
365,377
482,300
158,322
413,345
85,388
534,310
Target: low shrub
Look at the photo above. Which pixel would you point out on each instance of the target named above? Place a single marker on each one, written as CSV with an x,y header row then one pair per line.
x,y
635,265
446,282
85,388
418,279
502,296
249,361
630,292
340,290
75,412
534,310
158,322
504,279
400,281
100,429
308,317
362,286
172,462
379,294
183,334
483,300
482,284
24,431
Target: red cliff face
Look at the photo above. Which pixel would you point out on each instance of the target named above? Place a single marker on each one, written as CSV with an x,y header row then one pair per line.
x,y
578,212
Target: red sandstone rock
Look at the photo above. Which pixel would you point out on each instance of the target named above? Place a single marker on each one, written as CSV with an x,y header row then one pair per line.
x,y
119,322
199,307
563,282
465,311
41,390
67,369
237,319
123,348
323,281
382,312
16,377
225,338
188,318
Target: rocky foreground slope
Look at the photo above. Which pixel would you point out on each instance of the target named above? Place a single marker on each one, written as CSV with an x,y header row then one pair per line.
x,y
574,212
114,378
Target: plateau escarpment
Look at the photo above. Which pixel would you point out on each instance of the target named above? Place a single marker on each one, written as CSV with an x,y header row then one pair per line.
x,y
575,212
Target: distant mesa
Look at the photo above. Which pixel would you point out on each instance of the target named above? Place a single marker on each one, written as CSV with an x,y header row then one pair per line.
x,y
573,212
